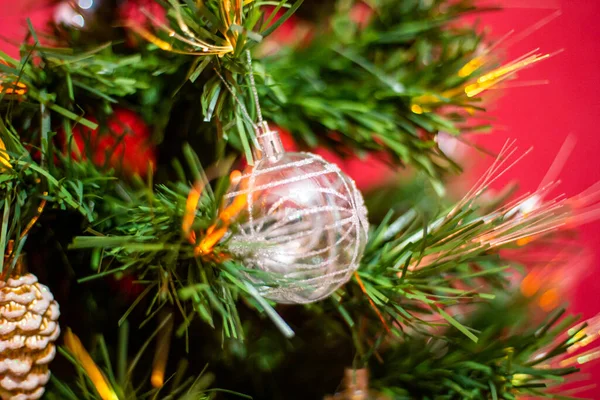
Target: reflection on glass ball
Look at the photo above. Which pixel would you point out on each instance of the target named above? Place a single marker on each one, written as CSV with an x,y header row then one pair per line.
x,y
303,227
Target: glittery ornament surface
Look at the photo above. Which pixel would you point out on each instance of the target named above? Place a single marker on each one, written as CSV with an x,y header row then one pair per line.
x,y
303,226
28,328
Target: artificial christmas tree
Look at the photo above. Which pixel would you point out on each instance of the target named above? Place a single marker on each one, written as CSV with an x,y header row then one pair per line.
x,y
200,208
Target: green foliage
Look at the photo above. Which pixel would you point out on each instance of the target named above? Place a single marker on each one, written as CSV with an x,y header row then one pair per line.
x,y
120,378
353,85
389,84
499,366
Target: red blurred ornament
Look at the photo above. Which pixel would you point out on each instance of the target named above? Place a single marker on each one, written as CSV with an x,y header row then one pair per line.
x,y
361,14
136,13
126,285
294,32
124,143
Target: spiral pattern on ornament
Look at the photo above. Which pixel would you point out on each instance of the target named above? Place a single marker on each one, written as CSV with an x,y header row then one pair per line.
x,y
303,229
28,329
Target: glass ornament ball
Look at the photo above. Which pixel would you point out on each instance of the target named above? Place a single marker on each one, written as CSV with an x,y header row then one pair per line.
x,y
301,229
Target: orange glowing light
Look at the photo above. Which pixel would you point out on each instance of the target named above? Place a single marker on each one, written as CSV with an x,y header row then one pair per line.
x,y
216,231
18,88
417,109
525,241
530,285
4,159
161,356
101,384
549,300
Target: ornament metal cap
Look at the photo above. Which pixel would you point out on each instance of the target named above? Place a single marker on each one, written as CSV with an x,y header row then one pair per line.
x,y
356,380
269,142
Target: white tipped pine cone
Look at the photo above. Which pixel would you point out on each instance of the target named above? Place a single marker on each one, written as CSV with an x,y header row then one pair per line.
x,y
28,329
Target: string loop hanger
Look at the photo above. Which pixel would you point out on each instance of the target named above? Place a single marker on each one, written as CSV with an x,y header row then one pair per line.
x,y
268,142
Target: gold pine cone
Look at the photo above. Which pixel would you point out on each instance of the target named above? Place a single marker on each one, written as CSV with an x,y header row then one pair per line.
x,y
28,329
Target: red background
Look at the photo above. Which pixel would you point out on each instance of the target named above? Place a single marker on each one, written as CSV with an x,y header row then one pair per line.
x,y
543,115
540,116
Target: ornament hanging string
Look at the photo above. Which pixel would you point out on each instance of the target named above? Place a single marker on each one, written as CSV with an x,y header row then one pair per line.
x,y
268,143
253,88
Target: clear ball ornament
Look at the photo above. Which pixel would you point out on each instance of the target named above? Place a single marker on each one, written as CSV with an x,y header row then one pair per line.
x,y
302,227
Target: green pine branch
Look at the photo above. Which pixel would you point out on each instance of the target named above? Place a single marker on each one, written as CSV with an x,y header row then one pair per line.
x,y
390,85
522,363
119,375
